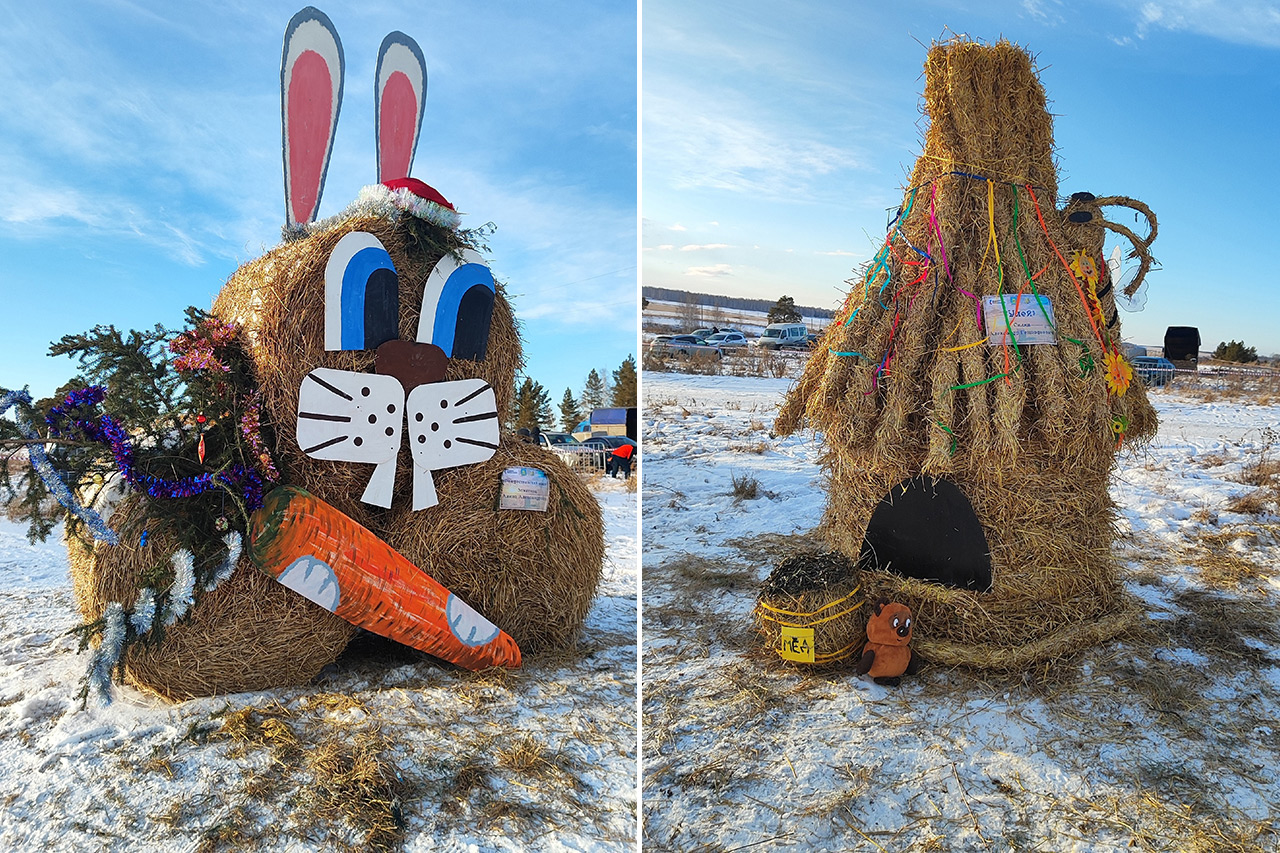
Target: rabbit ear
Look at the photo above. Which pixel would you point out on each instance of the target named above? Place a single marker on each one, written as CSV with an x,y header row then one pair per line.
x,y
399,97
311,71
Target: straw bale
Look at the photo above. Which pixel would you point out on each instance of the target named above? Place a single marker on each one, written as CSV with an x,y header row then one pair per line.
x,y
248,634
533,574
1032,445
815,590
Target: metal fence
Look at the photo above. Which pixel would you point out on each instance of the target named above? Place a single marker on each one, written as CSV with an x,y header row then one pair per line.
x,y
581,458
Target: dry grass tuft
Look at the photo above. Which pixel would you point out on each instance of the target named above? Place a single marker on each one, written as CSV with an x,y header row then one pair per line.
x,y
350,787
1155,817
266,728
470,777
702,363
745,487
233,831
753,362
1265,469
757,447
356,785
1256,502
770,548
1222,561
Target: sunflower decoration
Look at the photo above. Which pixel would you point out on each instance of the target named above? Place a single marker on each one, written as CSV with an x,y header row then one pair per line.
x,y
1119,373
1119,426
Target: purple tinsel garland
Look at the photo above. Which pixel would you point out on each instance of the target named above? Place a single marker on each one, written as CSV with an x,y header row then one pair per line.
x,y
237,478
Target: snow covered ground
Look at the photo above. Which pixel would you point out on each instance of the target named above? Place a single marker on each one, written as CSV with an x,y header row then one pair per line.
x,y
1168,740
543,757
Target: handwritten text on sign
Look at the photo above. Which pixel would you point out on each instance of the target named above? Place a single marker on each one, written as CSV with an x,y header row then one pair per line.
x,y
797,644
1030,325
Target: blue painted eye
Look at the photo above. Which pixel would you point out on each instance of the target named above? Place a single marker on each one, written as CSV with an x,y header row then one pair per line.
x,y
361,294
457,306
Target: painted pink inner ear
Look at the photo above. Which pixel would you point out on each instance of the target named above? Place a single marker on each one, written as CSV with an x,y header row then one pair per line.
x,y
398,121
310,114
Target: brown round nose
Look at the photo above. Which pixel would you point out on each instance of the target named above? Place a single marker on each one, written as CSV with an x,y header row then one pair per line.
x,y
411,362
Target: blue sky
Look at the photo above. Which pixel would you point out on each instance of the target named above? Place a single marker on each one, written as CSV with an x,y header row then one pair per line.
x,y
774,141
140,161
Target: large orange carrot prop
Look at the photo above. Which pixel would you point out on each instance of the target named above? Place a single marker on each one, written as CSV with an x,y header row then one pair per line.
x,y
320,553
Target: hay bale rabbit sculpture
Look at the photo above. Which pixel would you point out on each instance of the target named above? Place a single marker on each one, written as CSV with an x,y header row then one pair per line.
x,y
380,317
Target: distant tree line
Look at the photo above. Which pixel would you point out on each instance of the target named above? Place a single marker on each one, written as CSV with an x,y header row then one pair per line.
x,y
602,388
736,303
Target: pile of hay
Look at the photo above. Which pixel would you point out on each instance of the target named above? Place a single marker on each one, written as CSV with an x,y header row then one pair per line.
x,y
534,574
248,634
904,384
818,590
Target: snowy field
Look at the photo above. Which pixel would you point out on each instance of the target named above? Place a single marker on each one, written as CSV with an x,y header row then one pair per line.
x,y
389,750
1168,740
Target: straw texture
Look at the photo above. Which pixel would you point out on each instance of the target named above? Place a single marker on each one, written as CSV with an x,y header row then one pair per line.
x,y
533,574
904,382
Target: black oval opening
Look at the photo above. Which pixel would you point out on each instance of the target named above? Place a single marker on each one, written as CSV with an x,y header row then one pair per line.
x,y
926,529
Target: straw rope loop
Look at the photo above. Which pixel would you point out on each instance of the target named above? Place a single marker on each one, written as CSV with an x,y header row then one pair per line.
x,y
825,619
841,600
838,654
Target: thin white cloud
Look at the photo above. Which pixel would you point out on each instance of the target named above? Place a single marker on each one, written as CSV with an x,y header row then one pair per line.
x,y
665,247
693,247
711,271
676,227
839,253
1045,11
1255,22
701,141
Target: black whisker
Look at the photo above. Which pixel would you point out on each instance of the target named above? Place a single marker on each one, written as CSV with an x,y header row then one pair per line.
x,y
343,394
477,443
472,395
324,444
316,416
482,417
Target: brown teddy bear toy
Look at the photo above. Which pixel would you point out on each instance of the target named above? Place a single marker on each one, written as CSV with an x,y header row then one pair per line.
x,y
887,654
385,354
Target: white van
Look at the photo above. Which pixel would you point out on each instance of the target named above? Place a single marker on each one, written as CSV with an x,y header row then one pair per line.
x,y
782,335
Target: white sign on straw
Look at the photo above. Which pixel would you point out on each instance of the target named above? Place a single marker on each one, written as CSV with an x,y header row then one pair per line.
x,y
1030,323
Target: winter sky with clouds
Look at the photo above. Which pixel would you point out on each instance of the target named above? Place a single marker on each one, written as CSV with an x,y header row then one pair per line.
x,y
776,139
140,161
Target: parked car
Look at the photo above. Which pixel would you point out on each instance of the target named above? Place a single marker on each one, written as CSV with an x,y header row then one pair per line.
x,y
778,335
554,439
727,340
685,346
1153,371
809,341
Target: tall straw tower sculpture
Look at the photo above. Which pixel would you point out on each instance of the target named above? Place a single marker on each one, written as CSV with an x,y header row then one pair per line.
x,y
968,473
